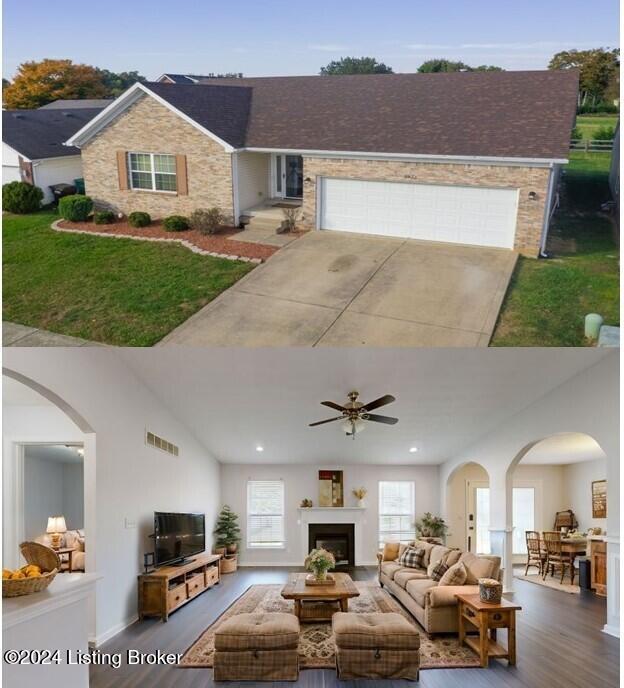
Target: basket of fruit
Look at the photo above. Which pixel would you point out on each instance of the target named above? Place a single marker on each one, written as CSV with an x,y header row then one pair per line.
x,y
42,565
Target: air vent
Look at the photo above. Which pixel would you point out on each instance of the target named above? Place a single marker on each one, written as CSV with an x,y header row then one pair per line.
x,y
153,440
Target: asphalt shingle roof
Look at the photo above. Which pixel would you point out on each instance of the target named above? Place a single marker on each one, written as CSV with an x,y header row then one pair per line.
x,y
77,104
37,134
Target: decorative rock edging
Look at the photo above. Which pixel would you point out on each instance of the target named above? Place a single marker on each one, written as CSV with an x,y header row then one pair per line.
x,y
187,244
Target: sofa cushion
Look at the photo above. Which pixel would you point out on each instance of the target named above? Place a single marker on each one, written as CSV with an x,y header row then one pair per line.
x,y
374,631
437,553
453,557
455,575
412,558
389,568
390,551
264,631
419,588
444,596
477,567
402,577
427,546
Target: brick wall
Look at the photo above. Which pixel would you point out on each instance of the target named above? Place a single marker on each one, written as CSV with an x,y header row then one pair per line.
x,y
149,127
530,213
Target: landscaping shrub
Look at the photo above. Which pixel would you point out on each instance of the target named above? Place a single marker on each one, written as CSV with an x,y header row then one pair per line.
x,y
597,109
20,197
104,217
139,219
576,135
176,223
604,134
207,220
75,208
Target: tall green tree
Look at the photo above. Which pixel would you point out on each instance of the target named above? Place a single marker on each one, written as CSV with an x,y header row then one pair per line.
x,y
441,64
598,69
117,82
355,65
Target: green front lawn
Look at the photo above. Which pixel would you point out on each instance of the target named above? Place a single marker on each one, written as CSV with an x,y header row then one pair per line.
x,y
548,299
116,291
589,124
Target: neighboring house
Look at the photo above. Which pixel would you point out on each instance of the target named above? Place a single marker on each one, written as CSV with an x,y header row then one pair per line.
x,y
469,158
187,78
33,150
77,104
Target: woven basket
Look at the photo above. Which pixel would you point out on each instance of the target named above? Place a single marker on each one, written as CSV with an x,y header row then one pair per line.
x,y
490,590
43,557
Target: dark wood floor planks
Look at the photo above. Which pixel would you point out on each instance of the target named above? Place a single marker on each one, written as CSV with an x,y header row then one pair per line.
x,y
559,640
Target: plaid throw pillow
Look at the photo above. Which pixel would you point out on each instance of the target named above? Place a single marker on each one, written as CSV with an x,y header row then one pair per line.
x,y
412,558
438,570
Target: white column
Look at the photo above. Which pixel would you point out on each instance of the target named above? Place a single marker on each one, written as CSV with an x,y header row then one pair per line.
x,y
612,627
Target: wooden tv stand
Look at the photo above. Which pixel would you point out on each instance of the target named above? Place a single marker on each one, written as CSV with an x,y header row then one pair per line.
x,y
164,590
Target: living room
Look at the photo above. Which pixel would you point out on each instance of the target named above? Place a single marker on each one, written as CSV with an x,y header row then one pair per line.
x,y
234,428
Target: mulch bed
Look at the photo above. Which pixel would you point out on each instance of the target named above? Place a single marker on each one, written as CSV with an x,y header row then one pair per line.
x,y
215,243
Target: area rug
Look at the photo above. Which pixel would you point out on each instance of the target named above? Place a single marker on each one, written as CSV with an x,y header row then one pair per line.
x,y
316,644
550,582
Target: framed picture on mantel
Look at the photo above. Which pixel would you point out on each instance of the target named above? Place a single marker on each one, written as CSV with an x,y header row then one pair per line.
x,y
599,499
331,491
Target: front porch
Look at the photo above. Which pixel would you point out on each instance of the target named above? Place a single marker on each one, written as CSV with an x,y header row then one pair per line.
x,y
266,223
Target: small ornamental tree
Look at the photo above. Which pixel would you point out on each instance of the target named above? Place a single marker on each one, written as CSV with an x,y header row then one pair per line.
x,y
227,529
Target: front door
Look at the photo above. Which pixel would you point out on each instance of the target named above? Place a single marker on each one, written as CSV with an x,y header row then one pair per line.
x,y
478,517
288,176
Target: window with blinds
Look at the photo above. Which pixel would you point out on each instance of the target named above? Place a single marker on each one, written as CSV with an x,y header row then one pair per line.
x,y
396,511
265,513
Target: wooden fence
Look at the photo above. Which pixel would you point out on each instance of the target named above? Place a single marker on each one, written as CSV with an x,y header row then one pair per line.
x,y
591,145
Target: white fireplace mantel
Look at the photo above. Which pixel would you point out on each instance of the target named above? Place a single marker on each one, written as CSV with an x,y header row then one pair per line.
x,y
333,514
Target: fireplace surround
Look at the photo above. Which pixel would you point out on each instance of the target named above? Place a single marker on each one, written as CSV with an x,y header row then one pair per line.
x,y
337,538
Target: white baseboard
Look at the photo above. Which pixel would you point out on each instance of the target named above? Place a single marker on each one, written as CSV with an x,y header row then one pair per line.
x,y
111,632
611,630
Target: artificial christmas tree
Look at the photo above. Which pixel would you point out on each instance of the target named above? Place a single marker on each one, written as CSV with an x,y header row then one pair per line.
x,y
227,530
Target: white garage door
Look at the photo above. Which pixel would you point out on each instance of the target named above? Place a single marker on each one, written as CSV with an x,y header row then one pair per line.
x,y
457,214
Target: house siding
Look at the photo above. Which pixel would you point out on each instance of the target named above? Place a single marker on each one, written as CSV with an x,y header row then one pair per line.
x,y
253,179
149,127
530,213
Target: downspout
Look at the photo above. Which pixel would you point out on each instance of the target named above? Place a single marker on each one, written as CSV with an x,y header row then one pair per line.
x,y
549,197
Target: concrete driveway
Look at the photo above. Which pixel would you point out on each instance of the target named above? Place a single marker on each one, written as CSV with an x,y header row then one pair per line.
x,y
344,289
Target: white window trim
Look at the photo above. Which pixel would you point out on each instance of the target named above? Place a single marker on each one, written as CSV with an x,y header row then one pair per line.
x,y
380,535
260,547
538,504
153,173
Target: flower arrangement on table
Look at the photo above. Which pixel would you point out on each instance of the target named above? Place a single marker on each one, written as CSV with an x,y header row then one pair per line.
x,y
319,561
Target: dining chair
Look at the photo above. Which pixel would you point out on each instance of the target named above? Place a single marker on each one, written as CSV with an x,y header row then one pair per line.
x,y
555,557
536,555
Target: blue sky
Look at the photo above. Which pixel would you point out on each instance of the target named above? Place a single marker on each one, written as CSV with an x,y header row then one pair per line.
x,y
281,38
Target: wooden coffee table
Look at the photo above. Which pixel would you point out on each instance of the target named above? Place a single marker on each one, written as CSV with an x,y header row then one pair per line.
x,y
314,603
487,617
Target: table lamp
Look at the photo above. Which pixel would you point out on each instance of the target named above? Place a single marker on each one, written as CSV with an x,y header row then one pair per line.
x,y
56,527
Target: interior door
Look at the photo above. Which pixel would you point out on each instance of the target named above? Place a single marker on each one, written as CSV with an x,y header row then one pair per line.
x,y
478,517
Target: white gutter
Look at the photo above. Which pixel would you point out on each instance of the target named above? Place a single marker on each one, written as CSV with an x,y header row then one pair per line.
x,y
545,224
466,159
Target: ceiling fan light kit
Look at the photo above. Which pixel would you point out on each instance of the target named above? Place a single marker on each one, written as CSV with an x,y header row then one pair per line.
x,y
354,414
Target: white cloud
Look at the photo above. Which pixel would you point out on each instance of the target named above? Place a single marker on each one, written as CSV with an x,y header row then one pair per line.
x,y
328,47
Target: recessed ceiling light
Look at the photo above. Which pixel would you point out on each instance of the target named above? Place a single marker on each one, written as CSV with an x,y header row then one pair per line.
x,y
259,448
413,450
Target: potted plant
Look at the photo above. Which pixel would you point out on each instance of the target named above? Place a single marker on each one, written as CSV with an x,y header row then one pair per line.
x,y
227,530
430,526
319,561
360,494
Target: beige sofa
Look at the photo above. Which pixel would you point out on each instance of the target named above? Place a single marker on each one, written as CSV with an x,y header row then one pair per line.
x,y
433,606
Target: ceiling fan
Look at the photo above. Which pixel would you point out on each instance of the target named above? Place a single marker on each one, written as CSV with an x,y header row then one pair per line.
x,y
354,413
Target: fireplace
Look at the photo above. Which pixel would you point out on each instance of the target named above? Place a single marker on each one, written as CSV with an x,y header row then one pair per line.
x,y
337,538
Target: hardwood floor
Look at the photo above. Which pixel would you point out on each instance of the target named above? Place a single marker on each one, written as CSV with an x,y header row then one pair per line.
x,y
559,642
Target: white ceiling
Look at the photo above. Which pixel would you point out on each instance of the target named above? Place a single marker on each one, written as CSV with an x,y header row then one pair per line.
x,y
236,399
569,447
60,453
16,394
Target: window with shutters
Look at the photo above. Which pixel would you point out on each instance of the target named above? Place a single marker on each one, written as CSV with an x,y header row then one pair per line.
x,y
152,172
265,514
396,511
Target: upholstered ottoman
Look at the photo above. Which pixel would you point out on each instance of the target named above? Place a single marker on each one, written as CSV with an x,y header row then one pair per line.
x,y
376,646
257,647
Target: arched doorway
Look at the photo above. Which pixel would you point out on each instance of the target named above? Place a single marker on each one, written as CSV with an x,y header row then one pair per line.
x,y
467,508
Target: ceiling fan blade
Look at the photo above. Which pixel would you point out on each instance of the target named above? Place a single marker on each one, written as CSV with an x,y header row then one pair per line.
x,y
332,404
388,420
382,401
329,420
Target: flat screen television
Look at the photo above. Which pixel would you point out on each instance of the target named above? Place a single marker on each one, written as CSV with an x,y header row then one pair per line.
x,y
178,536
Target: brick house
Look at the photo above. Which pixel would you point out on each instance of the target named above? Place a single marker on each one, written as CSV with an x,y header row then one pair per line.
x,y
470,158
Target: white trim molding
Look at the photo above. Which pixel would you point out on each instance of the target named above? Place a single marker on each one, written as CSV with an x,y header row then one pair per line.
x,y
612,627
121,104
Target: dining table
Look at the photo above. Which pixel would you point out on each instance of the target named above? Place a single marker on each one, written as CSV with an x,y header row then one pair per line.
x,y
573,547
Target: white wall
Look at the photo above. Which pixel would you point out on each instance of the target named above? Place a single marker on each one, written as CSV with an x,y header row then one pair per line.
x,y
56,171
577,480
253,179
132,480
10,165
302,481
73,495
